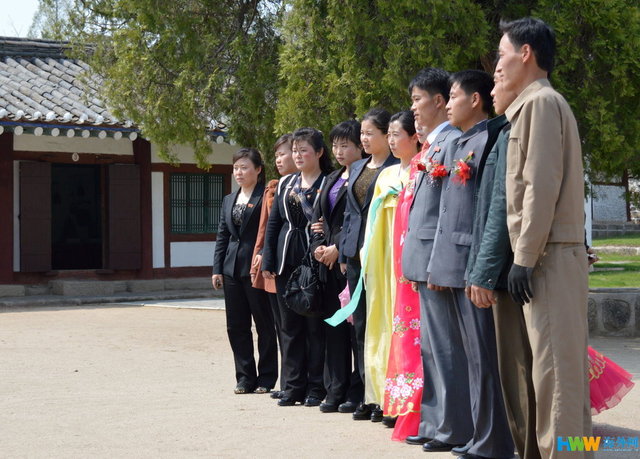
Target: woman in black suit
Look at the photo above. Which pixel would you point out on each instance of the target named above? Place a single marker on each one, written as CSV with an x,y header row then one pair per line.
x,y
362,181
231,265
286,243
343,384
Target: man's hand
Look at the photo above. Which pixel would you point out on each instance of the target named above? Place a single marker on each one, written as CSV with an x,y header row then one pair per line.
x,y
592,256
216,281
520,284
434,287
343,268
481,297
268,275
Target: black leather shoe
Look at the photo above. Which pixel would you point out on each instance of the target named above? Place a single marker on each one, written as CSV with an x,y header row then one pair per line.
x,y
389,421
437,446
460,450
328,407
278,394
416,440
312,401
376,414
362,413
288,401
347,407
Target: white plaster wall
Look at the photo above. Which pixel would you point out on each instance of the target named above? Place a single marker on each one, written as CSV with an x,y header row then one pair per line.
x,y
221,153
157,218
192,254
16,213
64,144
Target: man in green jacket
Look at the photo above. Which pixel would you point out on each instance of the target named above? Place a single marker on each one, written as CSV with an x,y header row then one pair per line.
x,y
489,263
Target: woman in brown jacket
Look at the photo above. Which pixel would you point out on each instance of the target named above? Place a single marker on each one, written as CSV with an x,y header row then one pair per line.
x,y
285,166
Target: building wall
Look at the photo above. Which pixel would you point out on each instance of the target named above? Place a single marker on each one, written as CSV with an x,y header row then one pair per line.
x,y
192,254
157,212
609,203
197,253
221,153
64,144
16,214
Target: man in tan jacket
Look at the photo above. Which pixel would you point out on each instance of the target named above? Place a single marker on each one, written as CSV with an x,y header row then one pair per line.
x,y
545,216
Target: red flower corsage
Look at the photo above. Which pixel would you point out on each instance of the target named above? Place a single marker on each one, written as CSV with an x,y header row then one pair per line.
x,y
462,172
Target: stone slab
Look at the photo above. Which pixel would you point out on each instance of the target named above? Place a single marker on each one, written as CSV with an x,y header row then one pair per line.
x,y
188,283
12,290
151,285
82,288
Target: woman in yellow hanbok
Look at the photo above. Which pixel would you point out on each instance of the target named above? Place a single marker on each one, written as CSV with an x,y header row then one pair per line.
x,y
378,266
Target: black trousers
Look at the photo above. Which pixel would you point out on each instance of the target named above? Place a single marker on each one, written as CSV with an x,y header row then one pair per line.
x,y
491,434
340,379
242,302
303,341
275,310
359,317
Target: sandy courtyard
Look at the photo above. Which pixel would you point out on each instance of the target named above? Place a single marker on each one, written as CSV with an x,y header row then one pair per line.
x,y
158,382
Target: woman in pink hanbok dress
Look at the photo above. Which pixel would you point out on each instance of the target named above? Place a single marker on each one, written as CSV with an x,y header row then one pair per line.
x,y
403,390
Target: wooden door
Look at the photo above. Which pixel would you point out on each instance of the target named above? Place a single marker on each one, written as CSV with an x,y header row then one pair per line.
x,y
35,217
125,248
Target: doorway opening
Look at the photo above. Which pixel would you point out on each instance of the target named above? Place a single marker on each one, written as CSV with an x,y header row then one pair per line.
x,y
76,217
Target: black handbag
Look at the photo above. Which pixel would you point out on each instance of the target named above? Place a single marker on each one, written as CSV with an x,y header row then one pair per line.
x,y
304,292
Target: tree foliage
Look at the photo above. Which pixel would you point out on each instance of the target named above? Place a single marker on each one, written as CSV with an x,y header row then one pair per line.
x,y
175,66
51,20
341,58
598,72
265,67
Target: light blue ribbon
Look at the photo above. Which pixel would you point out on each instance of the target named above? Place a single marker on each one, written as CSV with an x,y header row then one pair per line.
x,y
342,314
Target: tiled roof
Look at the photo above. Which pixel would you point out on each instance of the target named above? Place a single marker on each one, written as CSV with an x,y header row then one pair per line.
x,y
39,84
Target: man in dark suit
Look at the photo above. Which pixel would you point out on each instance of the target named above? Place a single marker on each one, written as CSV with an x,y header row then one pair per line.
x,y
490,259
468,108
445,412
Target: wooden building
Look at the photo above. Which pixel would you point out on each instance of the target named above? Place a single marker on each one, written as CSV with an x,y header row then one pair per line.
x,y
82,195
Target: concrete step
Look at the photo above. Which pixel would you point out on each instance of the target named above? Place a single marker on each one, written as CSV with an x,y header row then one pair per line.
x,y
101,288
617,250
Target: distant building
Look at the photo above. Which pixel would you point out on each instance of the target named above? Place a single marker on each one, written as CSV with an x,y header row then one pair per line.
x,y
81,193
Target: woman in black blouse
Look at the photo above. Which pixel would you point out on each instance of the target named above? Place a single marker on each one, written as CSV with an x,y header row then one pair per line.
x,y
236,238
343,384
286,242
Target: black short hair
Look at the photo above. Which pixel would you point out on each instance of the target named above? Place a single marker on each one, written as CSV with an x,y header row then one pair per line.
x,y
315,138
347,130
471,81
407,121
433,80
379,117
252,155
283,139
535,33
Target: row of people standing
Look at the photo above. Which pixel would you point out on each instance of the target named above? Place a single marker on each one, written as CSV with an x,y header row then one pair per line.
x,y
419,230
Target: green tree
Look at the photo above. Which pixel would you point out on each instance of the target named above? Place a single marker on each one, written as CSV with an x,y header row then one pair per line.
x,y
341,58
51,19
175,67
598,72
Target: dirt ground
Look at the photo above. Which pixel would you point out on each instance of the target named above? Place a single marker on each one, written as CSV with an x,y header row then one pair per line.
x,y
109,381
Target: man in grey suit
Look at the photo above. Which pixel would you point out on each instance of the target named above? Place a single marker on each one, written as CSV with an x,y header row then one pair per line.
x,y
445,412
468,108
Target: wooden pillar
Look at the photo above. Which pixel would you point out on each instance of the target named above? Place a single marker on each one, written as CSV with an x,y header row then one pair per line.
x,y
142,157
6,208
